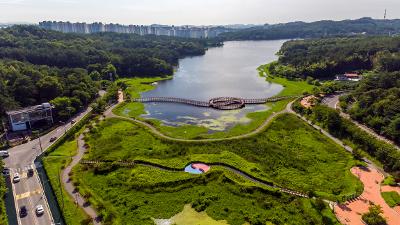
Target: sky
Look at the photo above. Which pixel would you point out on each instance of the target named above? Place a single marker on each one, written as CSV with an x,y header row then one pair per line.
x,y
193,12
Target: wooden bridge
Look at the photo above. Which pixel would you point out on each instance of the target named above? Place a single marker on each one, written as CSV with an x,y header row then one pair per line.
x,y
223,103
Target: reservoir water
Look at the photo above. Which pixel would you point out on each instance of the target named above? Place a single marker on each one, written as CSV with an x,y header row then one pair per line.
x,y
230,70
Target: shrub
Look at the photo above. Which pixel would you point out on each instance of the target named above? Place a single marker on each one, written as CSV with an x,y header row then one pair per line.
x,y
373,216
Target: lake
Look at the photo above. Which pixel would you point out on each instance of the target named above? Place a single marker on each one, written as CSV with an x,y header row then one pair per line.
x,y
230,70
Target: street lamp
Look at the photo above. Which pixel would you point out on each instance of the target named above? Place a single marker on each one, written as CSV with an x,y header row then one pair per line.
x,y
40,141
65,126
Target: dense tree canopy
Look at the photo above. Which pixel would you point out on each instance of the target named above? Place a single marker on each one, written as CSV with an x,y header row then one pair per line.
x,y
324,28
23,84
324,58
132,55
376,102
38,65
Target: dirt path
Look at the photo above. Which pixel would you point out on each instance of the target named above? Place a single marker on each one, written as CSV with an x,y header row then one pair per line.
x,y
70,188
350,212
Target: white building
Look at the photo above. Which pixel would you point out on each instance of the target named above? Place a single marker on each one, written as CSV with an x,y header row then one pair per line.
x,y
23,119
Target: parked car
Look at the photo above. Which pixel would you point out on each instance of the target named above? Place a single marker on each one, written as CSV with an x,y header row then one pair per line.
x,y
53,139
73,121
4,154
30,172
16,178
23,211
39,210
6,171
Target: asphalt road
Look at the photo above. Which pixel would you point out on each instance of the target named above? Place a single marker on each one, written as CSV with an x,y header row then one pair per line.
x,y
29,192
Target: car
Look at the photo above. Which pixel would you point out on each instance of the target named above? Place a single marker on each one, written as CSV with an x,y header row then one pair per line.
x,y
53,139
39,210
4,154
30,172
23,211
6,171
73,121
16,178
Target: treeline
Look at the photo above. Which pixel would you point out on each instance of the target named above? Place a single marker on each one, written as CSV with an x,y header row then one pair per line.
x,y
23,84
324,58
342,128
376,103
132,55
38,65
318,29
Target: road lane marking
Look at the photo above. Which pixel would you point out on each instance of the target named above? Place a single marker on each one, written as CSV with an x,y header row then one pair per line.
x,y
15,203
29,193
32,206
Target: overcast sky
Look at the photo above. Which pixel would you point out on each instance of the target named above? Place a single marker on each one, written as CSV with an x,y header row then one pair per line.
x,y
196,12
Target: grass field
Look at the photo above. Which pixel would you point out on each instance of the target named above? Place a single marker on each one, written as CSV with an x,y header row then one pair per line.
x,y
289,153
392,198
134,199
54,163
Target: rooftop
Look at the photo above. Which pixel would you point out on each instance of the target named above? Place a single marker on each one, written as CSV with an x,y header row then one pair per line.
x,y
42,106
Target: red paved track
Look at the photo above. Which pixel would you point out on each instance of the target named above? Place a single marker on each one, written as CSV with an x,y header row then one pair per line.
x,y
350,213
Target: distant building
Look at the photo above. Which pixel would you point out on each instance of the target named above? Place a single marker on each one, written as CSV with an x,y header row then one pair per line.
x,y
23,119
348,77
173,31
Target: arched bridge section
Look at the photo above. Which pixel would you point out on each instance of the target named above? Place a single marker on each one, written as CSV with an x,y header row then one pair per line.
x,y
222,103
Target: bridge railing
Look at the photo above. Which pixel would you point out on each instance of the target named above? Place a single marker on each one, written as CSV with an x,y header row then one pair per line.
x,y
207,103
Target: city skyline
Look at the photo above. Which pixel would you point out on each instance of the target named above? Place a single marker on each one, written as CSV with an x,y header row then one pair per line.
x,y
192,12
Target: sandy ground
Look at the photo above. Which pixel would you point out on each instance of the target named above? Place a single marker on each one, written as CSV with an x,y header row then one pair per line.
x,y
307,102
350,212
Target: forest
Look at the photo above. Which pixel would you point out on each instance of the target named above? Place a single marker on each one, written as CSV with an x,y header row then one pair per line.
x,y
376,102
326,57
38,65
318,29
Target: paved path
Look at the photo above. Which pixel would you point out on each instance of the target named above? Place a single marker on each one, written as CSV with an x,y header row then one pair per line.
x,y
70,188
350,212
333,102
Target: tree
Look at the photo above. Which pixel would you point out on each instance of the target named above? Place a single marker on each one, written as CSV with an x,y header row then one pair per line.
x,y
373,216
63,107
110,72
49,88
94,75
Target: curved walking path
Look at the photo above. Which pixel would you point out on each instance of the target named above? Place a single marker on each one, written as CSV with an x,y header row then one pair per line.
x,y
222,165
71,189
109,114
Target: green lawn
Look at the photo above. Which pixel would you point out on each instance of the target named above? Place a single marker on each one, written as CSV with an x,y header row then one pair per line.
x,y
392,198
53,164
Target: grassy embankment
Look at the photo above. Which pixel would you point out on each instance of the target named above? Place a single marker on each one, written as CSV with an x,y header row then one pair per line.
x,y
57,157
54,163
3,190
135,109
290,154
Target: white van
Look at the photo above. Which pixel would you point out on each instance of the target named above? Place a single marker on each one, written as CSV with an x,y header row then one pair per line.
x,y
4,154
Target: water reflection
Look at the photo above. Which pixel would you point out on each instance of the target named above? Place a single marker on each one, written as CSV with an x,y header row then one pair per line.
x,y
225,71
